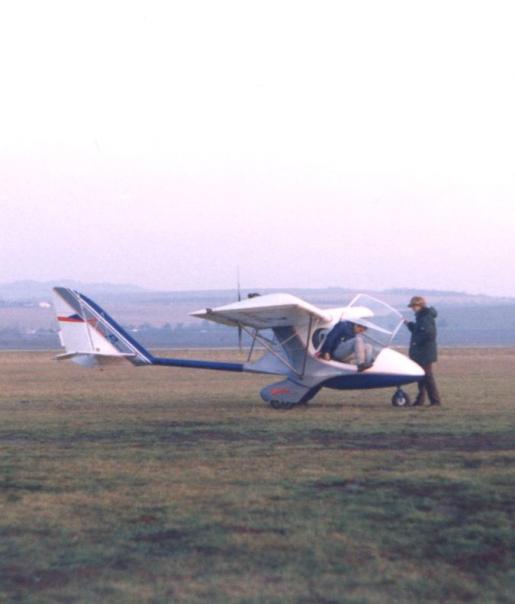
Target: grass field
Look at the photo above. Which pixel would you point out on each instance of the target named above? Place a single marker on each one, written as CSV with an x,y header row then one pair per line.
x,y
163,485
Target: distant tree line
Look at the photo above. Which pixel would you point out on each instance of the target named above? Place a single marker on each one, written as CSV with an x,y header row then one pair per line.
x,y
457,326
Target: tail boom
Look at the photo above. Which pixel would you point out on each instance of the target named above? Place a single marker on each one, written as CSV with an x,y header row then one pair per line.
x,y
93,338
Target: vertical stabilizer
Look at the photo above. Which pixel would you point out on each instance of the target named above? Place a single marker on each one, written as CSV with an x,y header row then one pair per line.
x,y
90,336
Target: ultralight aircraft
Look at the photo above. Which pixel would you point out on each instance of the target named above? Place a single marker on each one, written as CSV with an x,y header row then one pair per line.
x,y
290,330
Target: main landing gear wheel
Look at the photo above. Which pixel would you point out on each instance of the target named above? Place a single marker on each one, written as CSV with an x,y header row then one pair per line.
x,y
401,398
282,405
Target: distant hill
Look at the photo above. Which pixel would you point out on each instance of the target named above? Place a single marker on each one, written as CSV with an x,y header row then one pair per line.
x,y
41,290
449,297
162,318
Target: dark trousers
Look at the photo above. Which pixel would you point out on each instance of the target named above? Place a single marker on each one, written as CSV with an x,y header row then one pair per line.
x,y
428,384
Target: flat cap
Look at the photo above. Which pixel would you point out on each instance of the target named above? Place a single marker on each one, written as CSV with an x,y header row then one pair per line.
x,y
417,301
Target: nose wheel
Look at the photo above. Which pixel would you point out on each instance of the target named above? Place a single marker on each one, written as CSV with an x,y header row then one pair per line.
x,y
401,398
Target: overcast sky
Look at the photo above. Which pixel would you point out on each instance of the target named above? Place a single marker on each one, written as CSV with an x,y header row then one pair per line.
x,y
364,144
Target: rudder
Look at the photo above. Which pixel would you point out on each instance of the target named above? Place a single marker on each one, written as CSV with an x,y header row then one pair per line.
x,y
90,336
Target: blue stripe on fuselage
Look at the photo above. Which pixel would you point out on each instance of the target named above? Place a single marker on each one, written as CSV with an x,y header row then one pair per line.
x,y
358,381
218,366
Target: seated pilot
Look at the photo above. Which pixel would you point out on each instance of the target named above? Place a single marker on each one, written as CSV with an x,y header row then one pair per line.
x,y
344,339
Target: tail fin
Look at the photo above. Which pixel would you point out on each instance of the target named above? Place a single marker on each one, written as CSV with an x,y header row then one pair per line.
x,y
90,336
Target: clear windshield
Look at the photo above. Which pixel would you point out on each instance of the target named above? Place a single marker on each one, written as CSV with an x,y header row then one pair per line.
x,y
382,321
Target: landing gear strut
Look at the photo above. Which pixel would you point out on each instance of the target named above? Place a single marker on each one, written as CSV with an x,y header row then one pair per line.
x,y
401,398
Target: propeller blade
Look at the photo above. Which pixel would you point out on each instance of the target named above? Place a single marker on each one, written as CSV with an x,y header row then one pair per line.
x,y
240,332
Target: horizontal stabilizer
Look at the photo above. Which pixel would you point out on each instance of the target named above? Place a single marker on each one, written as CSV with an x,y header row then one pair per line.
x,y
88,359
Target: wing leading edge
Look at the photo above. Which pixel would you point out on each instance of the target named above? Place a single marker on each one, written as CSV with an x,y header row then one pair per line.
x,y
265,312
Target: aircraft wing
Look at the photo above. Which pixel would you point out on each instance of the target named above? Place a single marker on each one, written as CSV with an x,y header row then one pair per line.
x,y
265,312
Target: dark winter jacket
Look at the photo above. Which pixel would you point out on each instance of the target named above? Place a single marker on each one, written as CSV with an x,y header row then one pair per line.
x,y
423,336
344,330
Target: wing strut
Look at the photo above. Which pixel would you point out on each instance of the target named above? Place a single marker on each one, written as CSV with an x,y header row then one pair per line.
x,y
251,350
308,340
265,342
269,346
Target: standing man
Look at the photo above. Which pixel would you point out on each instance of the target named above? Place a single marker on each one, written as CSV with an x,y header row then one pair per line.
x,y
422,348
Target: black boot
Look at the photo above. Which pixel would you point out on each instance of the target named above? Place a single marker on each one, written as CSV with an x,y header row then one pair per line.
x,y
364,366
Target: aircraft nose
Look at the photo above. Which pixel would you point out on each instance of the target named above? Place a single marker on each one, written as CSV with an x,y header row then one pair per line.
x,y
392,362
414,369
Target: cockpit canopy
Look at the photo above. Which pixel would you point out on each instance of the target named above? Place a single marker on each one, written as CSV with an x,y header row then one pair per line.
x,y
381,320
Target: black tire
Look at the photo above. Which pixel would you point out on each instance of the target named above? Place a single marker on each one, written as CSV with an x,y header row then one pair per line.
x,y
401,399
282,405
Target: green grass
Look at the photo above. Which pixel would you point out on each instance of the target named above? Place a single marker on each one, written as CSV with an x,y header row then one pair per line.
x,y
162,485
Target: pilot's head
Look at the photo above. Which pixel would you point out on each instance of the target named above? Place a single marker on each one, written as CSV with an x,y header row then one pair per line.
x,y
416,303
359,328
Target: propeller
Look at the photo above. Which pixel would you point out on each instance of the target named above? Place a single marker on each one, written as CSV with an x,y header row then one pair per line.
x,y
240,332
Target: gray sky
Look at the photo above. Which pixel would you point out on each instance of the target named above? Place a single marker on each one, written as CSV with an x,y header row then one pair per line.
x,y
355,144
